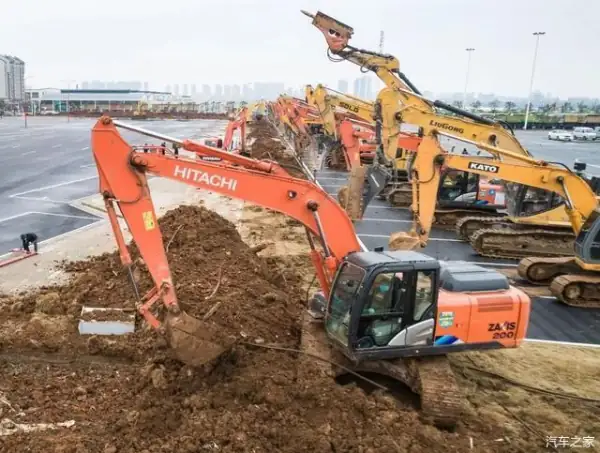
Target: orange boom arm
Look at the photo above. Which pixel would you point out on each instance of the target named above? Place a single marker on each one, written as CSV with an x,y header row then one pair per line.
x,y
122,171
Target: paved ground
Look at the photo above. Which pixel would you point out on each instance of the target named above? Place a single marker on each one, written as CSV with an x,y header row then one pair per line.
x,y
49,164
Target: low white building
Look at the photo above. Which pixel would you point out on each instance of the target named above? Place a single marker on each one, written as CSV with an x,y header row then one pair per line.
x,y
59,100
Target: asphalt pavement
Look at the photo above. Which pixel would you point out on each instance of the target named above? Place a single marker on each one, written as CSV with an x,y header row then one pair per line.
x,y
47,165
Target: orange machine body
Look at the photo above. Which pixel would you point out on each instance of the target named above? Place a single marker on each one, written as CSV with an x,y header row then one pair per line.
x,y
482,317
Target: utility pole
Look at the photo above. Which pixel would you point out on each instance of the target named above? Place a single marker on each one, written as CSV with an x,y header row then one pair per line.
x,y
381,37
537,35
469,50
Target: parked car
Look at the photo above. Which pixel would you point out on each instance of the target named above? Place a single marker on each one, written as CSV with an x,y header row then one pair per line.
x,y
49,112
584,133
558,134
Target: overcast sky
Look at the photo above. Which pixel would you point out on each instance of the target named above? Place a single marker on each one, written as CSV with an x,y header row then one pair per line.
x,y
240,41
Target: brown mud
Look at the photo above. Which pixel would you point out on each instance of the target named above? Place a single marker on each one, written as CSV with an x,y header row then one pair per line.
x,y
265,147
128,395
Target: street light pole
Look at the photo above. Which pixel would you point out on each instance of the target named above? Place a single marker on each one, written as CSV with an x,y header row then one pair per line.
x,y
537,35
469,50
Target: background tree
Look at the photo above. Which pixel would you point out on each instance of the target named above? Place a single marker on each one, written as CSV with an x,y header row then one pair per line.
x,y
509,106
566,107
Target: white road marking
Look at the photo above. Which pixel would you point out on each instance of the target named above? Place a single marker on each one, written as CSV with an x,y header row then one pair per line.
x,y
87,165
371,219
387,236
56,146
53,186
42,199
563,343
83,149
65,215
332,179
28,153
592,165
6,219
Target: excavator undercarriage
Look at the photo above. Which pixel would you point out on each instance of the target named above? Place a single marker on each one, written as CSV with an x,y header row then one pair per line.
x,y
431,378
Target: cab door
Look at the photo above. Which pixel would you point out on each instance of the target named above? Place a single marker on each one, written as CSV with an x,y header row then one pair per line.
x,y
398,311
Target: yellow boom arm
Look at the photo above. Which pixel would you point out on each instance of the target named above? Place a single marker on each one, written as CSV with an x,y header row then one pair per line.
x,y
405,103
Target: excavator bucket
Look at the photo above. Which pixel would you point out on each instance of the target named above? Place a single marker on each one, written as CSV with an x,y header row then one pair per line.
x,y
376,181
405,241
193,340
350,196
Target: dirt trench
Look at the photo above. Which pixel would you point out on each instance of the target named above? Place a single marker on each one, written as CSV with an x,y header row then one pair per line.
x,y
128,395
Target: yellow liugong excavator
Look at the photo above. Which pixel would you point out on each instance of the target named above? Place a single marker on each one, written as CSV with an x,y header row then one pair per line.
x,y
403,103
574,280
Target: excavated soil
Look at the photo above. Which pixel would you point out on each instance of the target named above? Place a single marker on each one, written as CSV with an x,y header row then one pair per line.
x,y
265,147
128,395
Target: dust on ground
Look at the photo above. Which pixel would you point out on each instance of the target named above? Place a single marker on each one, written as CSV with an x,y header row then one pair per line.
x,y
127,394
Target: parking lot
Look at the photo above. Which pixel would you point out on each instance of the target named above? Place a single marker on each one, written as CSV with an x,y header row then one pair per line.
x,y
47,166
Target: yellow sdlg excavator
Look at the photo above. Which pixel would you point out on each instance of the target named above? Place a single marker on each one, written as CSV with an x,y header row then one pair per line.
x,y
575,279
403,103
391,142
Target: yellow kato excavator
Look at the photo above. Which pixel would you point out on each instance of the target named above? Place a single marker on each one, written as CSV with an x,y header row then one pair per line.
x,y
528,210
575,279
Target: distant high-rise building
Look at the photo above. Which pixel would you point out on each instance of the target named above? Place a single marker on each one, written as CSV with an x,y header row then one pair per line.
x,y
247,92
236,92
12,78
168,89
357,88
146,87
342,86
85,85
218,92
206,91
185,89
227,92
176,89
193,89
362,88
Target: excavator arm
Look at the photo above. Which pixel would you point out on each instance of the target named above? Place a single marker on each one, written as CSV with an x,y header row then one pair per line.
x,y
580,200
123,183
404,102
236,123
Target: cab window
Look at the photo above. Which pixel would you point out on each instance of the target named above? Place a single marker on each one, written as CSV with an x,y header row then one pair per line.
x,y
343,295
423,296
383,313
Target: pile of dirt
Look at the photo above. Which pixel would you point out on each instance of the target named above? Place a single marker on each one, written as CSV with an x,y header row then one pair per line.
x,y
211,267
267,146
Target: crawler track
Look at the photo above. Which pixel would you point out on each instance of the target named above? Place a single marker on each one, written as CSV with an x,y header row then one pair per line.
x,y
517,244
568,282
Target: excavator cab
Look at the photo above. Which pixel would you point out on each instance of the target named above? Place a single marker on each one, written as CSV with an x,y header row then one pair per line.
x,y
464,189
382,305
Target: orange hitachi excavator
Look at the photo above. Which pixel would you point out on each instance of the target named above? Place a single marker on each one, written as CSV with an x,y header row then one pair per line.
x,y
395,313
